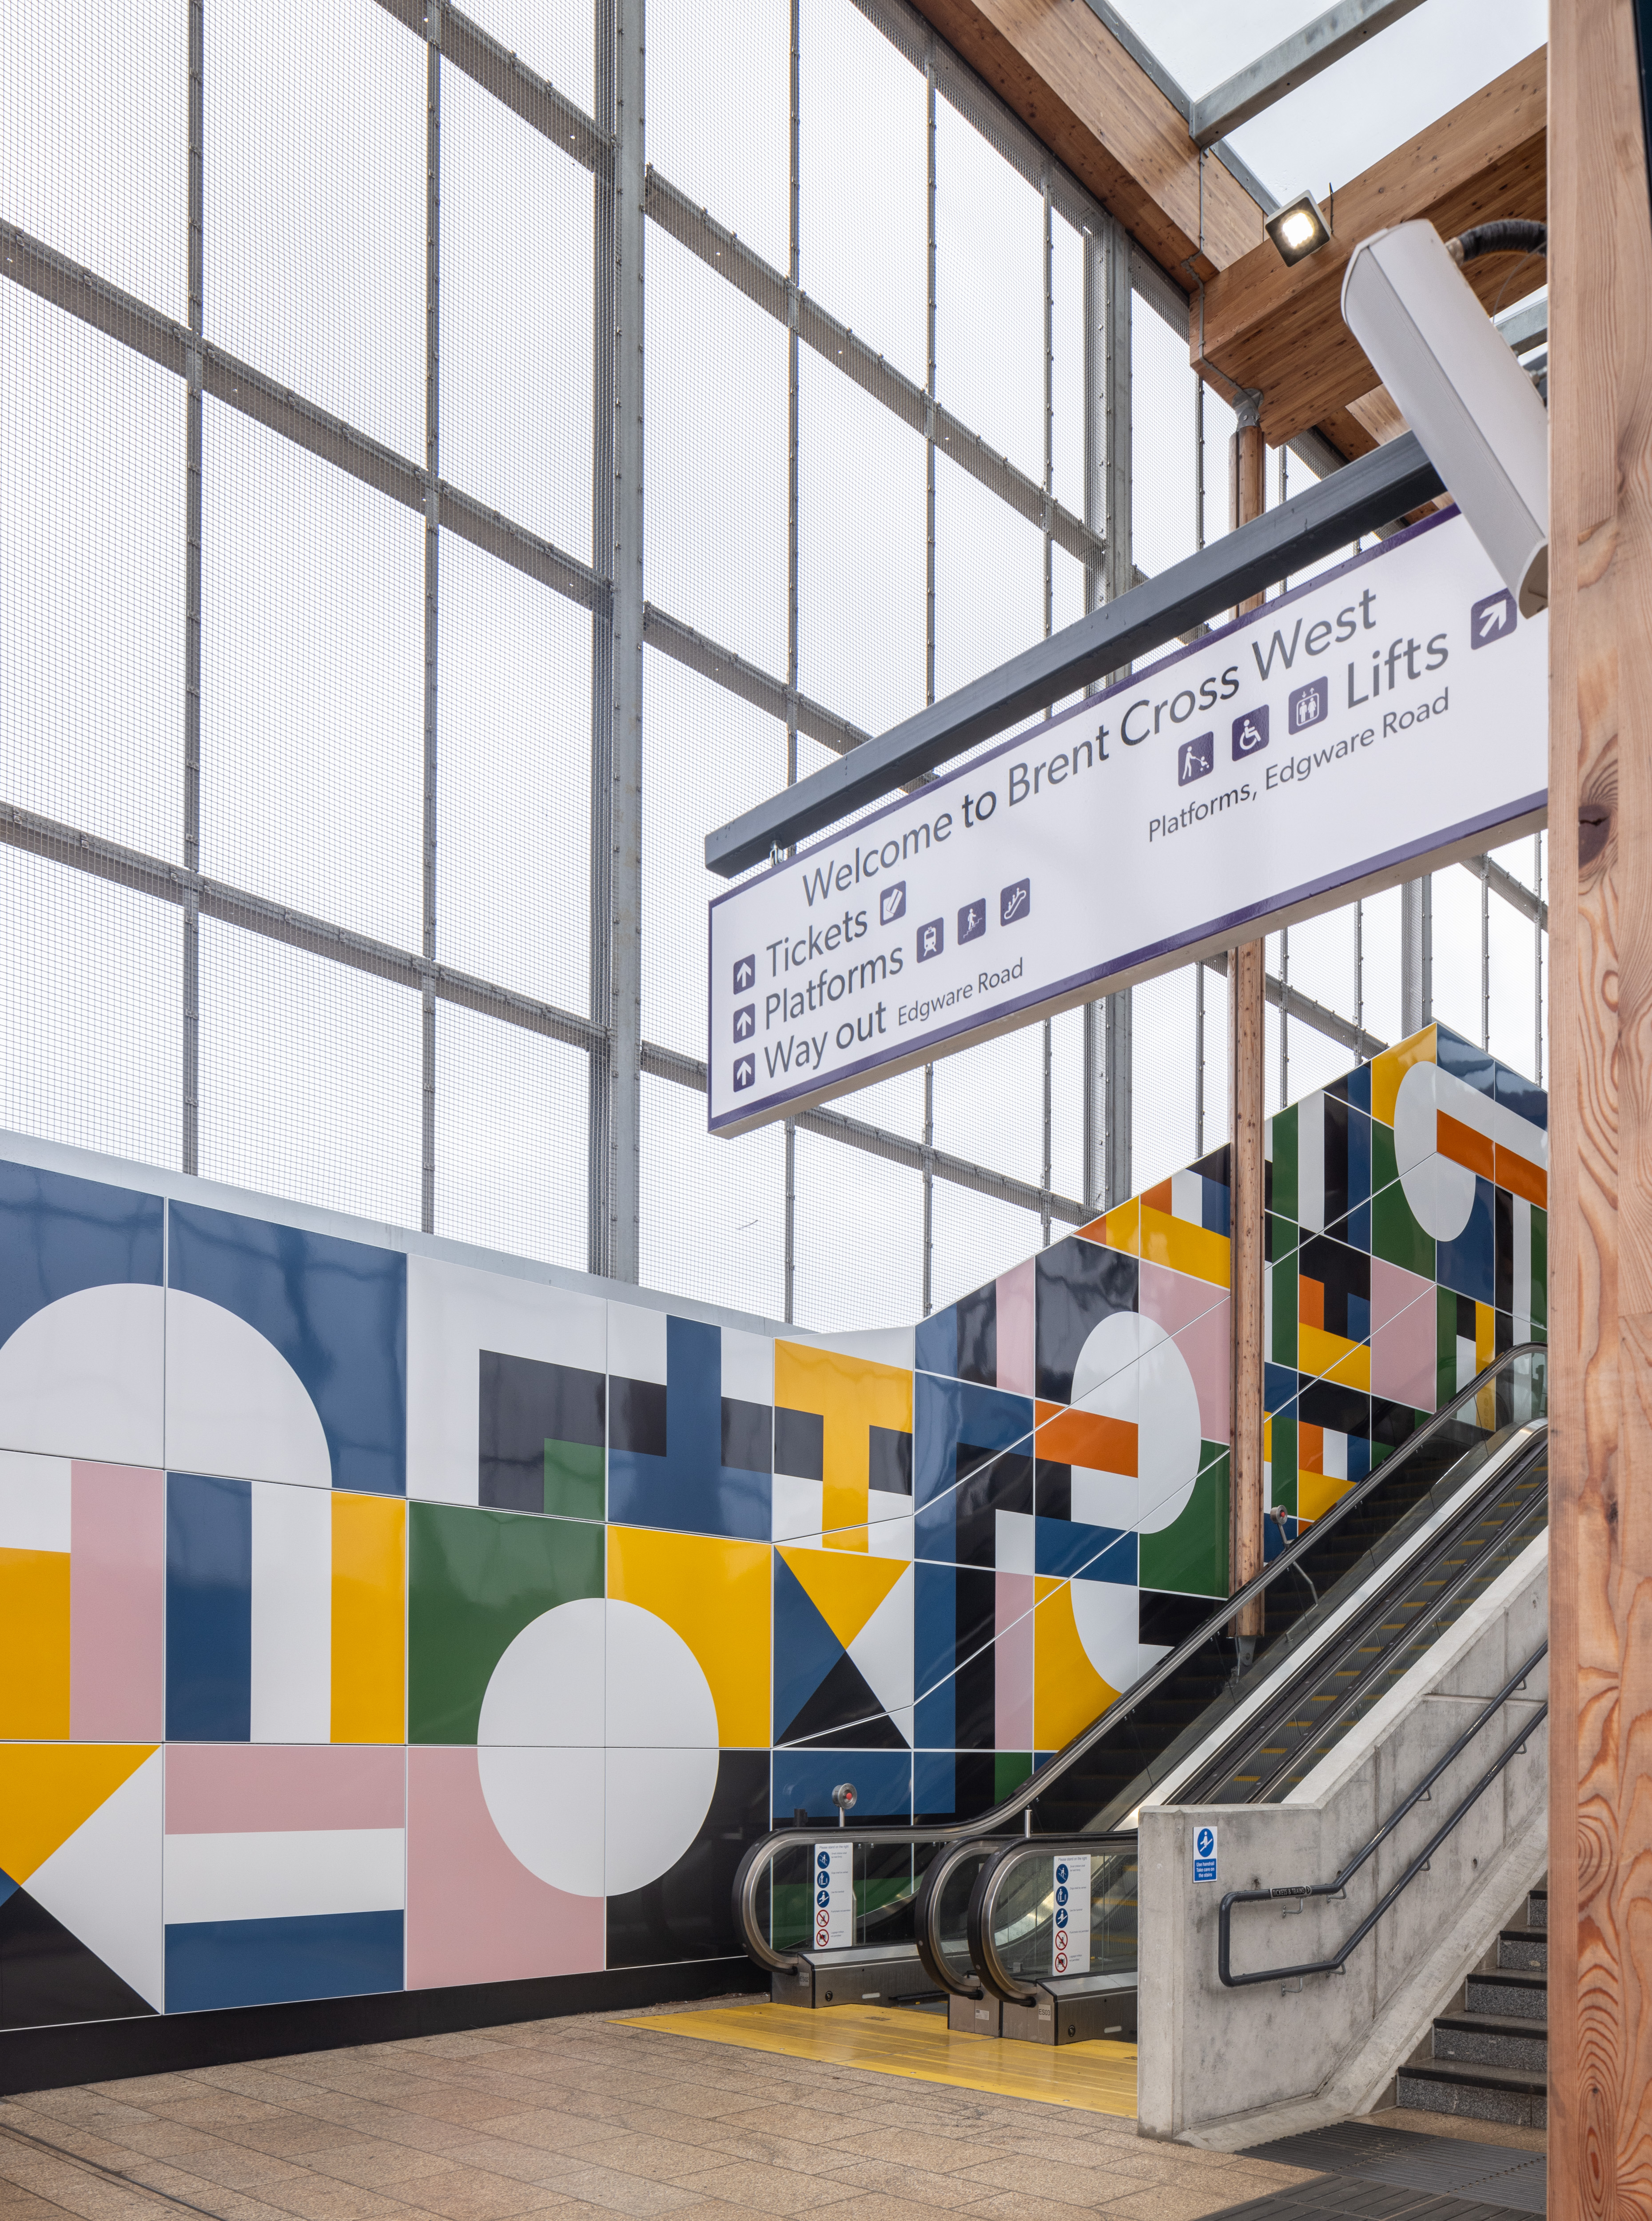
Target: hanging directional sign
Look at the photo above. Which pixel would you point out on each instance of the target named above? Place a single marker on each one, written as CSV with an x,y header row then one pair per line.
x,y
1379,719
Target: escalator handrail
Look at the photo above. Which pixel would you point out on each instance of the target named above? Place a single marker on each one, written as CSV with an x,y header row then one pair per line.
x,y
1012,1809
936,1965
989,1886
1328,1657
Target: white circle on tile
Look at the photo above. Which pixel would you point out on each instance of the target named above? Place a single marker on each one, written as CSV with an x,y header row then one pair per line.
x,y
585,1819
1131,1369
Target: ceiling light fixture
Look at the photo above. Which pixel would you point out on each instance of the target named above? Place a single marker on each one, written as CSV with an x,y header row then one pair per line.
x,y
1299,228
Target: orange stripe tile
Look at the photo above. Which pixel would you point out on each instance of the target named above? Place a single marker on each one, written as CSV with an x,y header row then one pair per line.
x,y
1311,1303
1521,1177
1311,1447
1462,1144
1087,1438
1157,1198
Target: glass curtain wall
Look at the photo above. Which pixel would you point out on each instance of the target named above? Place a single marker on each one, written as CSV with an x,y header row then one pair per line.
x,y
451,465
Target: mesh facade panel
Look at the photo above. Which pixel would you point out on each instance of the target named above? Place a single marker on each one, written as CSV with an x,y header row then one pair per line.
x,y
860,1238
713,1213
716,487
516,310
314,182
510,1138
93,108
92,554
311,683
976,1238
513,799
309,1078
91,1016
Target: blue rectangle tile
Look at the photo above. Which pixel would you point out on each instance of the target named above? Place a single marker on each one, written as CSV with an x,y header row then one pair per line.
x,y
209,1608
212,1964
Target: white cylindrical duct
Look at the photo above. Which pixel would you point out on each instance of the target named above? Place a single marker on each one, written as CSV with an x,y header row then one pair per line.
x,y
1455,380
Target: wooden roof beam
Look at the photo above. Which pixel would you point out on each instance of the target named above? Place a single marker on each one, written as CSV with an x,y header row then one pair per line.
x,y
1280,331
1078,89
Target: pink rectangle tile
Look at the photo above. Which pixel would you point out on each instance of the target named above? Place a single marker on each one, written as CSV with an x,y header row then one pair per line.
x,y
117,1603
1012,1661
1403,1325
1018,1364
240,1788
1194,1314
474,1912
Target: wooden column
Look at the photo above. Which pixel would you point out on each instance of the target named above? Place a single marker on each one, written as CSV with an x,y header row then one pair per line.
x,y
1245,1033
1600,1123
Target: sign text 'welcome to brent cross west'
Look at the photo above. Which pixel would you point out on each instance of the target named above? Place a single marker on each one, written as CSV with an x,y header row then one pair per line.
x,y
1392,709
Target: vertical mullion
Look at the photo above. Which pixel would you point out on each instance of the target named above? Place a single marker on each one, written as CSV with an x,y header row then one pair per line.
x,y
1198,1059
432,555
1284,1016
617,736
929,606
190,1150
1538,962
1485,955
1359,973
794,273
1049,619
599,1075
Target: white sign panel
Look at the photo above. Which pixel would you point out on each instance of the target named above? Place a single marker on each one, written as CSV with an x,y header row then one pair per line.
x,y
1204,1855
1393,710
1070,1948
834,1895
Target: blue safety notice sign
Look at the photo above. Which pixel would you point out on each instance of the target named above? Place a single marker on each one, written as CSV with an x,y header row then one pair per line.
x,y
1204,1855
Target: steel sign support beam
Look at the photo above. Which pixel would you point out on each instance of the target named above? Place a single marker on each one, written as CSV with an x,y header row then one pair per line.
x,y
1330,516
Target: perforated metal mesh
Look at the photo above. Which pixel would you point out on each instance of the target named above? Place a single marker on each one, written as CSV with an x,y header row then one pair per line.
x,y
312,660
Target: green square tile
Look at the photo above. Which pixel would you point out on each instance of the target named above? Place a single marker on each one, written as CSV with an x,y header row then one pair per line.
x,y
1191,1554
1010,1769
1395,1233
476,1577
575,1480
1283,1434
1284,1200
1286,1294
1445,1344
1539,1272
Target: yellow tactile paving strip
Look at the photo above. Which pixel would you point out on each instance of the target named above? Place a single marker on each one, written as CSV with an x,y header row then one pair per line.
x,y
1093,2078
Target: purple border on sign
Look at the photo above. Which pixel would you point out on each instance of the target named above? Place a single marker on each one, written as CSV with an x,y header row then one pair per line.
x,y
1052,990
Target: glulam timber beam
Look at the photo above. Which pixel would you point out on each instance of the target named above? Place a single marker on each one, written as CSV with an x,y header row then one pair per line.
x,y
1600,1128
1078,89
1280,331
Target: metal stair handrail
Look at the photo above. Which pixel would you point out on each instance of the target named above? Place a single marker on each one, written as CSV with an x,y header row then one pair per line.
x,y
1302,1891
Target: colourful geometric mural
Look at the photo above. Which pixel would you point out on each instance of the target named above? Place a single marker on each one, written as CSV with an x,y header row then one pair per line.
x,y
373,1619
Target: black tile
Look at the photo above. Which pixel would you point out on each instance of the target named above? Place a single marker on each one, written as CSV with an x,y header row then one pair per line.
x,y
747,1435
978,1337
636,1416
523,1404
890,1460
47,1974
800,1444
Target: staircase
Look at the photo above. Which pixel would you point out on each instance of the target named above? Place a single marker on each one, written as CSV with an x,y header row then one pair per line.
x,y
1487,2055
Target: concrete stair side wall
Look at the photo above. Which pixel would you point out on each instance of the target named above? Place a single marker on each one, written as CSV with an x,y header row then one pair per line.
x,y
1225,2068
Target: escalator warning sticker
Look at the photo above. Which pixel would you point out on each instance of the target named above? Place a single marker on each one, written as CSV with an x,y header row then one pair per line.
x,y
1070,1939
834,1894
1204,1855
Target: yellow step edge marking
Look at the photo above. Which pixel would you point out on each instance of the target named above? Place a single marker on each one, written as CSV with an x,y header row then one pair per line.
x,y
1093,2078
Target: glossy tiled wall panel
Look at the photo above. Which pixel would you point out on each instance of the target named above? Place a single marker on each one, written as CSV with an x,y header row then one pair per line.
x,y
372,1619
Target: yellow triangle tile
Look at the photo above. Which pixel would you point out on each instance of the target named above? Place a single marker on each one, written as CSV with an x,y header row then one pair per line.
x,y
844,1588
49,1789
